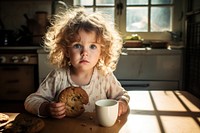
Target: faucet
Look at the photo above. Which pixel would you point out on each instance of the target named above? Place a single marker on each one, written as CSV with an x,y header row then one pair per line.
x,y
175,36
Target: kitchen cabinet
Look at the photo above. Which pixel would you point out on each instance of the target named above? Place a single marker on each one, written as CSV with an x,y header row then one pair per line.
x,y
18,72
43,66
150,69
16,87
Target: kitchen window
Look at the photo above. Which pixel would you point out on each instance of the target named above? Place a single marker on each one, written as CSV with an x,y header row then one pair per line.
x,y
135,15
148,15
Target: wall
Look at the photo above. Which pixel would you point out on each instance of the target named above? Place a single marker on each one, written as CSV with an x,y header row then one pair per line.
x,y
11,12
191,53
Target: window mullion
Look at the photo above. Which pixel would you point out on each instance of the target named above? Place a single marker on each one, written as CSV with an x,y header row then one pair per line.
x,y
94,5
149,16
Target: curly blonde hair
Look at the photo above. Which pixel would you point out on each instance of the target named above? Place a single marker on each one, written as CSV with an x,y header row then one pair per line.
x,y
65,29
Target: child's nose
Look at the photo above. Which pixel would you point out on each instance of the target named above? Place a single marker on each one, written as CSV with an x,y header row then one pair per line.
x,y
85,52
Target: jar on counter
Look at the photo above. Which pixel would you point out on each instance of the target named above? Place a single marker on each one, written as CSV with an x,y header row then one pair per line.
x,y
41,18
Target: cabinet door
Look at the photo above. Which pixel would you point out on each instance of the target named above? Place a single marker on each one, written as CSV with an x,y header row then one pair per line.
x,y
44,66
16,82
128,67
160,67
149,67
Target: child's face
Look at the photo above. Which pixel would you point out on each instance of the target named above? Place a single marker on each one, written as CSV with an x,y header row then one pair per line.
x,y
85,53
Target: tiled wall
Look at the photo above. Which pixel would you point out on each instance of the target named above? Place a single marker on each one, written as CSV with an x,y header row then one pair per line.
x,y
11,12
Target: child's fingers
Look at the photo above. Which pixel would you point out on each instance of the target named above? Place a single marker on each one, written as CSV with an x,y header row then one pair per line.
x,y
59,116
57,110
56,105
120,110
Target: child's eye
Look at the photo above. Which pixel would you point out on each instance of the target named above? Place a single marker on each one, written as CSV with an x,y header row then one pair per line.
x,y
77,46
93,46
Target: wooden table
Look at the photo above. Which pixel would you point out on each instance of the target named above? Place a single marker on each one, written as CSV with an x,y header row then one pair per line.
x,y
150,112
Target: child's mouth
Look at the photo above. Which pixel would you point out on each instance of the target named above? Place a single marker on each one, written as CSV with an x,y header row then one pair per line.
x,y
84,61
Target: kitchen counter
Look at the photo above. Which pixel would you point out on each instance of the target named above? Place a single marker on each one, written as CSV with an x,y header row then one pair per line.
x,y
138,51
150,51
146,68
150,112
41,51
20,47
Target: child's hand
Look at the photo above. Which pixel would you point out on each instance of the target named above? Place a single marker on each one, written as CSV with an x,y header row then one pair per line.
x,y
123,107
57,110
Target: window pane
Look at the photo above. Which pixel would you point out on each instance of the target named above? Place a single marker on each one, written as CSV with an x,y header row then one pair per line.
x,y
105,2
161,1
137,2
83,2
89,10
160,18
137,19
109,11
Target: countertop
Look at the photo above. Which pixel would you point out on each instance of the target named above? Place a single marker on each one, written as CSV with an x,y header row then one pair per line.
x,y
150,51
145,50
141,51
20,47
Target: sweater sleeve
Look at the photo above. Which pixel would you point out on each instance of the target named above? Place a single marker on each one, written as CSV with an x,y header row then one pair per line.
x,y
45,93
114,89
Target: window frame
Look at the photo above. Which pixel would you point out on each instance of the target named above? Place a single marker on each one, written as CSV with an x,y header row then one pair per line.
x,y
120,20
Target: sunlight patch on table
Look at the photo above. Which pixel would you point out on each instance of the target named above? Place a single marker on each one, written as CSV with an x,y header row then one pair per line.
x,y
140,103
138,122
172,103
176,124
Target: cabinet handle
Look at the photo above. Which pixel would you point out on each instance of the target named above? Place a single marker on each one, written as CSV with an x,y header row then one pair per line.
x,y
136,85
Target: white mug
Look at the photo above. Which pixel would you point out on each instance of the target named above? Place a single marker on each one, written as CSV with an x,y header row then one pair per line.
x,y
106,112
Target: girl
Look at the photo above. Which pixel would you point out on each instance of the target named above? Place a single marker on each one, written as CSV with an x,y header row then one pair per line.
x,y
85,48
